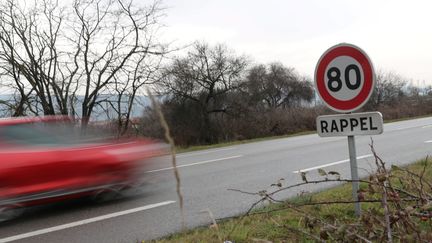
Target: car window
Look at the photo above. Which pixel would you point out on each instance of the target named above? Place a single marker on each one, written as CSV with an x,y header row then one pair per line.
x,y
37,134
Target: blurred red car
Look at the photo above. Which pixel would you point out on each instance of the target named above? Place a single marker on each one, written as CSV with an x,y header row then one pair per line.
x,y
47,159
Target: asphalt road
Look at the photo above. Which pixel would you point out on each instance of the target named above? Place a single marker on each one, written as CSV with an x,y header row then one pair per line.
x,y
206,177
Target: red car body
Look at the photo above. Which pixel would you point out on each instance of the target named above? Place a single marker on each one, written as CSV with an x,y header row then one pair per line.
x,y
35,168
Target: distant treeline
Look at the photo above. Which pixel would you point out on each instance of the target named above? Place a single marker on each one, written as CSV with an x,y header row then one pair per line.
x,y
214,96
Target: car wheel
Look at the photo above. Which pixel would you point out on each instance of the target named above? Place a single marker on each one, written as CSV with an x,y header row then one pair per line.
x,y
8,212
108,194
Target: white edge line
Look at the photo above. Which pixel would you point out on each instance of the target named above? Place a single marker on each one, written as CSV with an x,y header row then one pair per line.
x,y
203,152
333,163
197,163
405,128
429,141
82,222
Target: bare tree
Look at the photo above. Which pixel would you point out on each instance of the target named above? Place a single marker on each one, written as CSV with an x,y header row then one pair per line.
x,y
28,38
278,86
112,35
202,79
388,89
142,72
64,56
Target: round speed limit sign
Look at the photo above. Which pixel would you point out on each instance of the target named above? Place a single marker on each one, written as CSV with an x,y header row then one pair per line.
x,y
344,77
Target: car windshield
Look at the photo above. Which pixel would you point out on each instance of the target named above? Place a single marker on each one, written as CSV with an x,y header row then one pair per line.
x,y
45,134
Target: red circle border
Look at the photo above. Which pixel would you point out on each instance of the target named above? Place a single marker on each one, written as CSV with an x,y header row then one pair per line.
x,y
368,72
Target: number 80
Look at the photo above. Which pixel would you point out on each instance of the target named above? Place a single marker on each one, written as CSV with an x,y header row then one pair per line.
x,y
333,75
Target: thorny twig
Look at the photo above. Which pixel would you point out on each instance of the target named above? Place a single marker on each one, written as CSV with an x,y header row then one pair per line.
x,y
381,168
309,182
214,223
400,220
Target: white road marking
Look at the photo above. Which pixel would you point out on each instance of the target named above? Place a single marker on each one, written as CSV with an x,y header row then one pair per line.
x,y
333,163
197,163
406,128
204,152
82,222
429,141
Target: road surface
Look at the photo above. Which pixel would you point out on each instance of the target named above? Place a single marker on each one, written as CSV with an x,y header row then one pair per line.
x,y
206,177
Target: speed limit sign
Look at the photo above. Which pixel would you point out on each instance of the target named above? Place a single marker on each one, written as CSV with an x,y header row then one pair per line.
x,y
344,77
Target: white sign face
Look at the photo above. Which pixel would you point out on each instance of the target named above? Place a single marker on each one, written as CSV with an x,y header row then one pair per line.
x,y
344,78
349,85
366,123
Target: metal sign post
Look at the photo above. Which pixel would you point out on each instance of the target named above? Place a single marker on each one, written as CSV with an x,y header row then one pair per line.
x,y
354,173
344,80
349,125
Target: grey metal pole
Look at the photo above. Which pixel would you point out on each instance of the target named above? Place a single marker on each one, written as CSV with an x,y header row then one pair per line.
x,y
354,173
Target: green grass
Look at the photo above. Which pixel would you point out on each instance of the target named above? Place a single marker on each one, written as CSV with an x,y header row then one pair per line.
x,y
269,223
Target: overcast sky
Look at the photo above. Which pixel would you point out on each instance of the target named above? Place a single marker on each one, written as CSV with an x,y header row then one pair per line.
x,y
397,35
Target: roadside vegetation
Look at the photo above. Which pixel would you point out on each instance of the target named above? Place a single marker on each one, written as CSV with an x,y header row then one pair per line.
x,y
212,96
396,207
184,149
